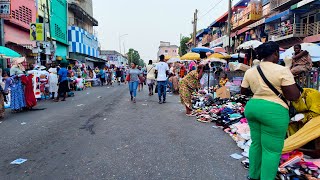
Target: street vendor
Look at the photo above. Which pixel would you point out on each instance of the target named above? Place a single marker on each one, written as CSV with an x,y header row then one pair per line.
x,y
189,84
223,81
301,61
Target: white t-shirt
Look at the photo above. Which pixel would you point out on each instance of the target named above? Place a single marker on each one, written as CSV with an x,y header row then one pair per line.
x,y
162,68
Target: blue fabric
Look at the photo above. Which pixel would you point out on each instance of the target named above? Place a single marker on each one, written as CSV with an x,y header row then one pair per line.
x,y
17,95
133,88
63,74
102,74
170,85
162,89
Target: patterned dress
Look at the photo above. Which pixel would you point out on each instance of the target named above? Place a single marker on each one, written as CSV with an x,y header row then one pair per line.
x,y
188,84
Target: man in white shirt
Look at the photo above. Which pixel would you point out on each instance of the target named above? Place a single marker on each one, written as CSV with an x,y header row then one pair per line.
x,y
162,70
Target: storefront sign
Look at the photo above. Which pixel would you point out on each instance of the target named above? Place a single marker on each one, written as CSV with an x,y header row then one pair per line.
x,y
36,32
266,10
216,42
5,8
258,23
251,13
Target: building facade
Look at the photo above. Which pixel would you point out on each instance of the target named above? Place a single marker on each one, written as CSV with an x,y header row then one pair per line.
x,y
59,26
114,57
168,50
83,43
16,28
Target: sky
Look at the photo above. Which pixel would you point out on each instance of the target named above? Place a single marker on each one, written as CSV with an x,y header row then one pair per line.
x,y
147,22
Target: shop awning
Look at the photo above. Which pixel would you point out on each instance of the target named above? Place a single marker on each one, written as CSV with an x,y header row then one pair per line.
x,y
202,32
301,3
258,23
278,16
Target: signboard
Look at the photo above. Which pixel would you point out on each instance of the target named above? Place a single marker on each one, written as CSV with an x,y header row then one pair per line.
x,y
216,42
36,32
5,8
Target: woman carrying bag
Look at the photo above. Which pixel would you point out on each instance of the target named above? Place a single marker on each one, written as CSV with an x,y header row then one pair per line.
x,y
133,80
268,112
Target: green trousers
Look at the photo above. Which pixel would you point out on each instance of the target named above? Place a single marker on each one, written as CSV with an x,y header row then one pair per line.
x,y
268,124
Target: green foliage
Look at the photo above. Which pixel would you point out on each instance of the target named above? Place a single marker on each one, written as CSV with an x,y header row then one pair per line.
x,y
183,47
133,56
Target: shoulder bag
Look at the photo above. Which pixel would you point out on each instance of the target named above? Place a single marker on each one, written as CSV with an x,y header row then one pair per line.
x,y
292,111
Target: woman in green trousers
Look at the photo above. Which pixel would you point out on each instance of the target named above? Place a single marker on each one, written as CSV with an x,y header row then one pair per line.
x,y
267,113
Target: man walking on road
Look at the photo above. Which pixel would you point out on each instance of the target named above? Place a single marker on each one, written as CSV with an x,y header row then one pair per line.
x,y
162,70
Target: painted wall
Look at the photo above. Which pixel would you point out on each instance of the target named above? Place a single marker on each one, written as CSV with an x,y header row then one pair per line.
x,y
23,13
61,50
59,20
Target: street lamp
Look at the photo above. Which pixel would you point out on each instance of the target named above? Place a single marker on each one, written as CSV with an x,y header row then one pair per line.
x,y
120,36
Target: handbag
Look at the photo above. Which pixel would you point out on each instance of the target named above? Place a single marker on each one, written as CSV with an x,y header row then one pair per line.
x,y
142,79
292,110
128,78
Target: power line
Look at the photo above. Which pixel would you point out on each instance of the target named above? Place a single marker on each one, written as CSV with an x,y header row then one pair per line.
x,y
211,9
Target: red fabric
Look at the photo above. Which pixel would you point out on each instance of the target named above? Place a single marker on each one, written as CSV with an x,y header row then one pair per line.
x,y
245,61
28,91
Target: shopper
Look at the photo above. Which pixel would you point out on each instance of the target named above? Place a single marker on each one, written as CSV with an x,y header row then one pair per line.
x,y
267,113
63,82
189,84
118,75
102,76
133,81
162,71
141,80
53,82
150,77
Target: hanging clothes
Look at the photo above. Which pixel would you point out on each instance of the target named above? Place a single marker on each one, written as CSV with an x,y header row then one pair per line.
x,y
30,99
17,99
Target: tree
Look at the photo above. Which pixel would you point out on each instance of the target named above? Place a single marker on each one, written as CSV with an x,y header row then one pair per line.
x,y
142,63
183,47
133,56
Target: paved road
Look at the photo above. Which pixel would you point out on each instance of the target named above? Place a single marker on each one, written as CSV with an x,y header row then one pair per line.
x,y
99,134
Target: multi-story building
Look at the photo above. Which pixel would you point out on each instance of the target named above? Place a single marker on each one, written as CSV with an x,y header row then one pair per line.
x,y
83,43
113,57
54,15
16,28
168,50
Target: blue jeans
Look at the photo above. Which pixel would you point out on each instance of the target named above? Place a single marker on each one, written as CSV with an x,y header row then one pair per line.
x,y
170,85
162,89
133,88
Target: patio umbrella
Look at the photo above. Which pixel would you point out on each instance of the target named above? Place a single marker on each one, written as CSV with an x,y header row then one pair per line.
x,y
206,61
6,52
191,56
313,49
219,49
236,56
201,49
220,56
250,45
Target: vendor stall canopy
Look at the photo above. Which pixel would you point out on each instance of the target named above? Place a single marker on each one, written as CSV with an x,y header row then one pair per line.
x,y
191,56
8,53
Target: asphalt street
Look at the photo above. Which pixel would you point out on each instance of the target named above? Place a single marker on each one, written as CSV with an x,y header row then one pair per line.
x,y
100,134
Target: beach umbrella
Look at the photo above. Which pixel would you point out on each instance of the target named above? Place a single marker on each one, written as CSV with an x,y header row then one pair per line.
x,y
250,45
9,53
220,56
201,49
219,49
191,56
313,49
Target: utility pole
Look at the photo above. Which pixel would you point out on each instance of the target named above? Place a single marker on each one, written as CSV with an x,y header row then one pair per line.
x,y
180,53
195,20
229,25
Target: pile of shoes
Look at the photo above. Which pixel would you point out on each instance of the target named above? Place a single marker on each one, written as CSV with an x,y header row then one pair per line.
x,y
228,114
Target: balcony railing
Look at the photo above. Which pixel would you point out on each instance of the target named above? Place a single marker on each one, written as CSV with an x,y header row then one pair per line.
x,y
278,4
295,30
281,33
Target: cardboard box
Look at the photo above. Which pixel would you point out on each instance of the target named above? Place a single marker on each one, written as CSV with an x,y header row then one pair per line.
x,y
223,92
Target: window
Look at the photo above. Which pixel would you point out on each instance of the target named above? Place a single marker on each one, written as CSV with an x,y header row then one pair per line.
x,y
166,51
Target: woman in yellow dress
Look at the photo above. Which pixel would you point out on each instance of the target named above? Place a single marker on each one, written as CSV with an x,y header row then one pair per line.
x,y
189,84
